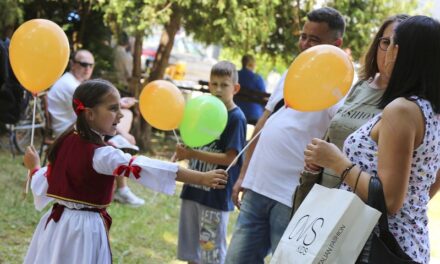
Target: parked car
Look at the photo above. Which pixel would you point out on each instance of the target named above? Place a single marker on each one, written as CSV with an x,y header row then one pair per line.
x,y
193,57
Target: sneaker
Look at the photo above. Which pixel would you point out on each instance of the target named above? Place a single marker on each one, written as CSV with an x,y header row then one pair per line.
x,y
127,197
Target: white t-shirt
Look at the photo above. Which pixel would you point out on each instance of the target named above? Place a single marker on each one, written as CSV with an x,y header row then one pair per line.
x,y
123,63
60,103
279,155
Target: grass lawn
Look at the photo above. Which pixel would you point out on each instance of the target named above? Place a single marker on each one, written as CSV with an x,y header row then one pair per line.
x,y
146,234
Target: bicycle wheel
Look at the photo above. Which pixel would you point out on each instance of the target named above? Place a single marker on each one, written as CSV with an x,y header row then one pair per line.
x,y
22,131
5,143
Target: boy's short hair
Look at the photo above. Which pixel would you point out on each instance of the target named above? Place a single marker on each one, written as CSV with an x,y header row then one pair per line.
x,y
225,68
331,16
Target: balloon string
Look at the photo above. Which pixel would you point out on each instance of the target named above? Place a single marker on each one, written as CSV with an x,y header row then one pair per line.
x,y
250,141
175,135
32,141
33,120
241,152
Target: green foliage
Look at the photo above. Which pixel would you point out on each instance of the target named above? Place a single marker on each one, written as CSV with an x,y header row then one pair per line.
x,y
243,25
97,39
146,234
89,32
11,14
269,28
273,27
135,15
363,17
265,62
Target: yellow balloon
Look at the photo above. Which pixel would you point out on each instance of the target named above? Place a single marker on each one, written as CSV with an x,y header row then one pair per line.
x,y
162,104
318,78
39,52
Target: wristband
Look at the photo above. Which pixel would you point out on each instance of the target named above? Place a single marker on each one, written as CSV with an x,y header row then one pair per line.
x,y
346,171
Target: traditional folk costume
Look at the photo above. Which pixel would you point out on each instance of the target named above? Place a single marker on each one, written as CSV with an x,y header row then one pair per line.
x,y
80,181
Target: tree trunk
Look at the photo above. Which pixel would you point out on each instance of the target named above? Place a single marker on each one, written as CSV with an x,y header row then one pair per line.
x,y
141,130
296,18
84,11
166,44
135,82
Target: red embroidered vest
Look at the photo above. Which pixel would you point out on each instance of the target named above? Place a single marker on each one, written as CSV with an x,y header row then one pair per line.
x,y
72,177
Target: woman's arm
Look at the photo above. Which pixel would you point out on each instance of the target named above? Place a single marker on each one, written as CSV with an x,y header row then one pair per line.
x,y
398,133
435,187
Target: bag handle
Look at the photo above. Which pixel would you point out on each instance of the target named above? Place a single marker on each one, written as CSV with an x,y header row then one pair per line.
x,y
376,199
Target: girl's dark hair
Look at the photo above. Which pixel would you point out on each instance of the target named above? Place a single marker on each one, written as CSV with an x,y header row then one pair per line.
x,y
90,94
416,71
369,67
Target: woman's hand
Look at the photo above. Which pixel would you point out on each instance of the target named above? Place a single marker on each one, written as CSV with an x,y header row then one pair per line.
x,y
326,155
31,159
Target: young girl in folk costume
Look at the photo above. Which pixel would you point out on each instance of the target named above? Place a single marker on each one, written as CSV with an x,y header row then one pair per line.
x,y
80,178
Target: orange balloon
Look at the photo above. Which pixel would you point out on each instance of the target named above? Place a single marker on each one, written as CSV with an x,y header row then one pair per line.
x,y
39,52
318,78
162,105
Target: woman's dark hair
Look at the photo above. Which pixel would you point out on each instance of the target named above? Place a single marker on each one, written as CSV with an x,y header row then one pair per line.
x,y
369,67
90,94
416,71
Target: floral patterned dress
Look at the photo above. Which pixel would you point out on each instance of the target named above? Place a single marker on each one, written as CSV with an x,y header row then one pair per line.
x,y
410,224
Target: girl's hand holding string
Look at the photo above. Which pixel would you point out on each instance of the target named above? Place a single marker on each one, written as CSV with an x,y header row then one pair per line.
x,y
215,179
31,159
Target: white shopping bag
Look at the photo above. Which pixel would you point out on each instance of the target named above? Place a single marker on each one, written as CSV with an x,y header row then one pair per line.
x,y
330,226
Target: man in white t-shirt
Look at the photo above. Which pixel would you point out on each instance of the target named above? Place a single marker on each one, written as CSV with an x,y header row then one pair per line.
x,y
274,161
59,100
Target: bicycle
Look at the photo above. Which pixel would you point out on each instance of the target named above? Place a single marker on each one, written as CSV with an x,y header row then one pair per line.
x,y
19,134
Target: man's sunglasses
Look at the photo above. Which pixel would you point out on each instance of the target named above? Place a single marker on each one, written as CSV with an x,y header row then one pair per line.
x,y
84,64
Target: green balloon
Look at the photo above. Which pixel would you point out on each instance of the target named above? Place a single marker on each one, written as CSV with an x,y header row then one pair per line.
x,y
204,120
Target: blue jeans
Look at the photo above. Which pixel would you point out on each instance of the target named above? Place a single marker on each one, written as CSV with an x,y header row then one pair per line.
x,y
259,228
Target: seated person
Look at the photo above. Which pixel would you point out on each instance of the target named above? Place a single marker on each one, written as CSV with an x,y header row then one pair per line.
x,y
250,81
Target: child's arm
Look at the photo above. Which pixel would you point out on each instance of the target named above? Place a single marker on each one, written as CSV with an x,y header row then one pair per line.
x,y
155,174
224,159
39,183
216,179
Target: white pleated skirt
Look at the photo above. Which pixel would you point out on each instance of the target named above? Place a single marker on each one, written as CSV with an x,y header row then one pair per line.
x,y
78,237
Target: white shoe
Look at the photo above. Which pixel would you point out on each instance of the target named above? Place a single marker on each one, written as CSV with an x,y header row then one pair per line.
x,y
127,197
